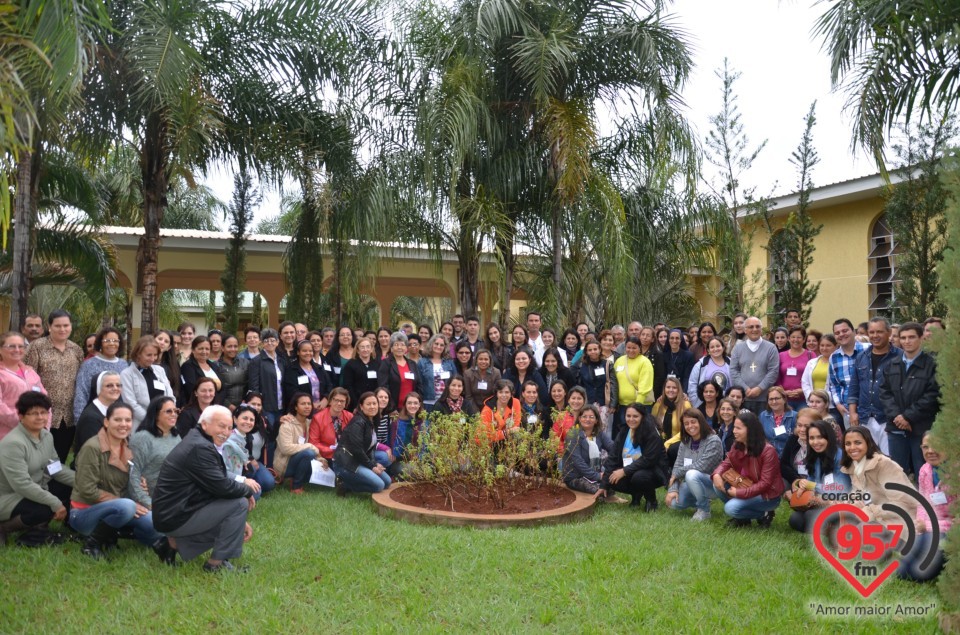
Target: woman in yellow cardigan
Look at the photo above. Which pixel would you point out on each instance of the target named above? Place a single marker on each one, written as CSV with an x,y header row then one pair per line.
x,y
669,411
634,374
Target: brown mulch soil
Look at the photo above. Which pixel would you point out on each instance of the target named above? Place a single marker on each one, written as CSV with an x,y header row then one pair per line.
x,y
518,499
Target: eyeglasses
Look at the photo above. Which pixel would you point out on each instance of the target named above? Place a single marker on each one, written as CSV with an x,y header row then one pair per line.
x,y
14,347
169,411
110,342
775,399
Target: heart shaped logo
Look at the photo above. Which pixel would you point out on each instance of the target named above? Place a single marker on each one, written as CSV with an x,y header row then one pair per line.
x,y
855,548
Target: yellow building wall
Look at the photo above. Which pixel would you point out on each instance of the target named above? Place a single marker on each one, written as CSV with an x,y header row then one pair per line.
x,y
840,262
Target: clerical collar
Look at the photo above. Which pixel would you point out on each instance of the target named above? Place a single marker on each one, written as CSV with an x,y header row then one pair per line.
x,y
754,346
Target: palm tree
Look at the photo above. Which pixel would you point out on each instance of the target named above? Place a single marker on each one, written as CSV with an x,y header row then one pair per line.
x,y
193,81
64,32
895,59
508,123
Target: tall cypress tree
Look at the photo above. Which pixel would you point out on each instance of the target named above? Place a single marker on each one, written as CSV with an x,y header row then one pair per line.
x,y
235,269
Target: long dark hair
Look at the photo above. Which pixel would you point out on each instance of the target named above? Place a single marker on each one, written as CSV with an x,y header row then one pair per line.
x,y
334,352
149,422
756,439
828,457
446,389
292,404
645,420
193,403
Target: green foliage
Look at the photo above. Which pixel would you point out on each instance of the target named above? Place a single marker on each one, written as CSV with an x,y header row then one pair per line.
x,y
896,59
791,248
234,278
946,429
915,211
457,455
728,148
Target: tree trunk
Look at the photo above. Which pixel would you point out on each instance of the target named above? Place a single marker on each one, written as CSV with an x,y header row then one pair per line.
x,y
509,265
469,280
153,168
24,220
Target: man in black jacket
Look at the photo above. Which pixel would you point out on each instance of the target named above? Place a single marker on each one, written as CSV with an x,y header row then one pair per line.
x,y
910,397
196,504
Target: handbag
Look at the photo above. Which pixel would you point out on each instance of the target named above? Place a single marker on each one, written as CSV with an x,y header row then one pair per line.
x,y
733,478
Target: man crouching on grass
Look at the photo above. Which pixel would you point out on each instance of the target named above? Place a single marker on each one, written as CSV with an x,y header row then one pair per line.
x,y
196,504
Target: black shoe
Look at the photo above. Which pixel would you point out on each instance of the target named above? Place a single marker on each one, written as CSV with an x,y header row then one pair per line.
x,y
101,539
738,522
651,506
166,553
339,488
766,520
224,567
92,548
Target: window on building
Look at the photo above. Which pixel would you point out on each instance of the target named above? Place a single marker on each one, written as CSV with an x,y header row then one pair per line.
x,y
882,269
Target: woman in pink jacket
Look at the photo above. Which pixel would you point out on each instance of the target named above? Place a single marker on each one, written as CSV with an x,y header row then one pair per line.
x,y
16,378
929,484
755,459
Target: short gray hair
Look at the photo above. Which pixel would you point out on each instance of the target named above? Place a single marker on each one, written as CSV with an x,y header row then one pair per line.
x,y
399,336
210,411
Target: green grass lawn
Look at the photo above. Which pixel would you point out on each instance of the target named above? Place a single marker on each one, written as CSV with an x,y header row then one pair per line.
x,y
326,564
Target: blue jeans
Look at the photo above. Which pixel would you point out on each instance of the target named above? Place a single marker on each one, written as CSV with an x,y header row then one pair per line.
x,y
119,513
696,490
746,508
905,450
909,568
272,419
299,468
363,480
263,476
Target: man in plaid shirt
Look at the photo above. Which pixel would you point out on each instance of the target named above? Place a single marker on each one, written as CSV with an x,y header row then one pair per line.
x,y
842,364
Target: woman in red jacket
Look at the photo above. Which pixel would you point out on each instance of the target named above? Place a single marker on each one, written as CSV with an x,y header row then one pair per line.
x,y
755,459
327,423
501,413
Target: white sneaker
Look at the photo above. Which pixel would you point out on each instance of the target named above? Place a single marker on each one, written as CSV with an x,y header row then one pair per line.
x,y
699,516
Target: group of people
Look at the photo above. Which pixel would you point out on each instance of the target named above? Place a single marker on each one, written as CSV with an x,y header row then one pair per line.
x,y
175,445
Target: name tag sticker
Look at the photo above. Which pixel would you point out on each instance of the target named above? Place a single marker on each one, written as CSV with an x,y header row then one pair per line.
x,y
828,479
326,367
56,466
599,371
938,498
157,384
627,461
303,379
780,430
371,374
802,469
408,375
620,369
37,389
301,440
531,418
336,371
481,385
444,374
687,462
792,371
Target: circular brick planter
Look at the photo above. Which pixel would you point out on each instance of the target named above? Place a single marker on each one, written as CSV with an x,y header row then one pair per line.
x,y
579,509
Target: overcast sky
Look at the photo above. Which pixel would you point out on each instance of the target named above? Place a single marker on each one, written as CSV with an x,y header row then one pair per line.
x,y
782,72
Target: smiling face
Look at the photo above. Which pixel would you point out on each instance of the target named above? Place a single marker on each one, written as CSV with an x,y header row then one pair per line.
x,y
288,334
817,442
364,349
119,424
797,341
245,422
801,427
519,335
671,390
780,339
412,405
110,344
148,356
855,445
548,339
304,406
345,337
218,427
256,403
337,404
753,328
110,389
558,393
13,349
456,388
383,398
504,396
710,393
776,402
632,349
738,324
530,395
727,413
633,418
715,349
205,393
692,426
383,339
818,404
813,344
662,337
483,360
576,401
231,348
399,349
493,334
61,329
674,339
521,360
201,352
305,354
588,421
424,333
447,329
843,333
35,419
550,363
930,455
646,336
